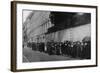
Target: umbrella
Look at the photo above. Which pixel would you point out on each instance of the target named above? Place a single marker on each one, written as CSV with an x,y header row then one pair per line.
x,y
86,39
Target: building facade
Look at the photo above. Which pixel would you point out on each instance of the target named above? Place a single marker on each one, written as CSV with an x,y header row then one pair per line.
x,y
46,26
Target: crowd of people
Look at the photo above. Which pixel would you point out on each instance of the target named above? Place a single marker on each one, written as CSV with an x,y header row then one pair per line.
x,y
76,49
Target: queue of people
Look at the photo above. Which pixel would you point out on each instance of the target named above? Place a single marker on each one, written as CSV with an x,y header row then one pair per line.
x,y
76,49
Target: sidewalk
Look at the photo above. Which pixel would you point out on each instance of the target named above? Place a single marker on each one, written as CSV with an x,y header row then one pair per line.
x,y
36,56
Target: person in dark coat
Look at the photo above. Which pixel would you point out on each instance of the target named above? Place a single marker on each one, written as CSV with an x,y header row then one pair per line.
x,y
58,48
66,48
41,47
84,52
74,50
79,49
33,46
88,50
48,47
63,49
69,48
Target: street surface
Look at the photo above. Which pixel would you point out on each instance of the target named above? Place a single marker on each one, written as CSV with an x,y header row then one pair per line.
x,y
35,56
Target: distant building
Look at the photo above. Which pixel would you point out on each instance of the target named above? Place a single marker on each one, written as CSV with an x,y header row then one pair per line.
x,y
36,25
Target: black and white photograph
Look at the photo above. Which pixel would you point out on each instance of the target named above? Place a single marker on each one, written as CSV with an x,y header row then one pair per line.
x,y
56,36
49,36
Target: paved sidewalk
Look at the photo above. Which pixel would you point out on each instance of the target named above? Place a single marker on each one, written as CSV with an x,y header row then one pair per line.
x,y
36,56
